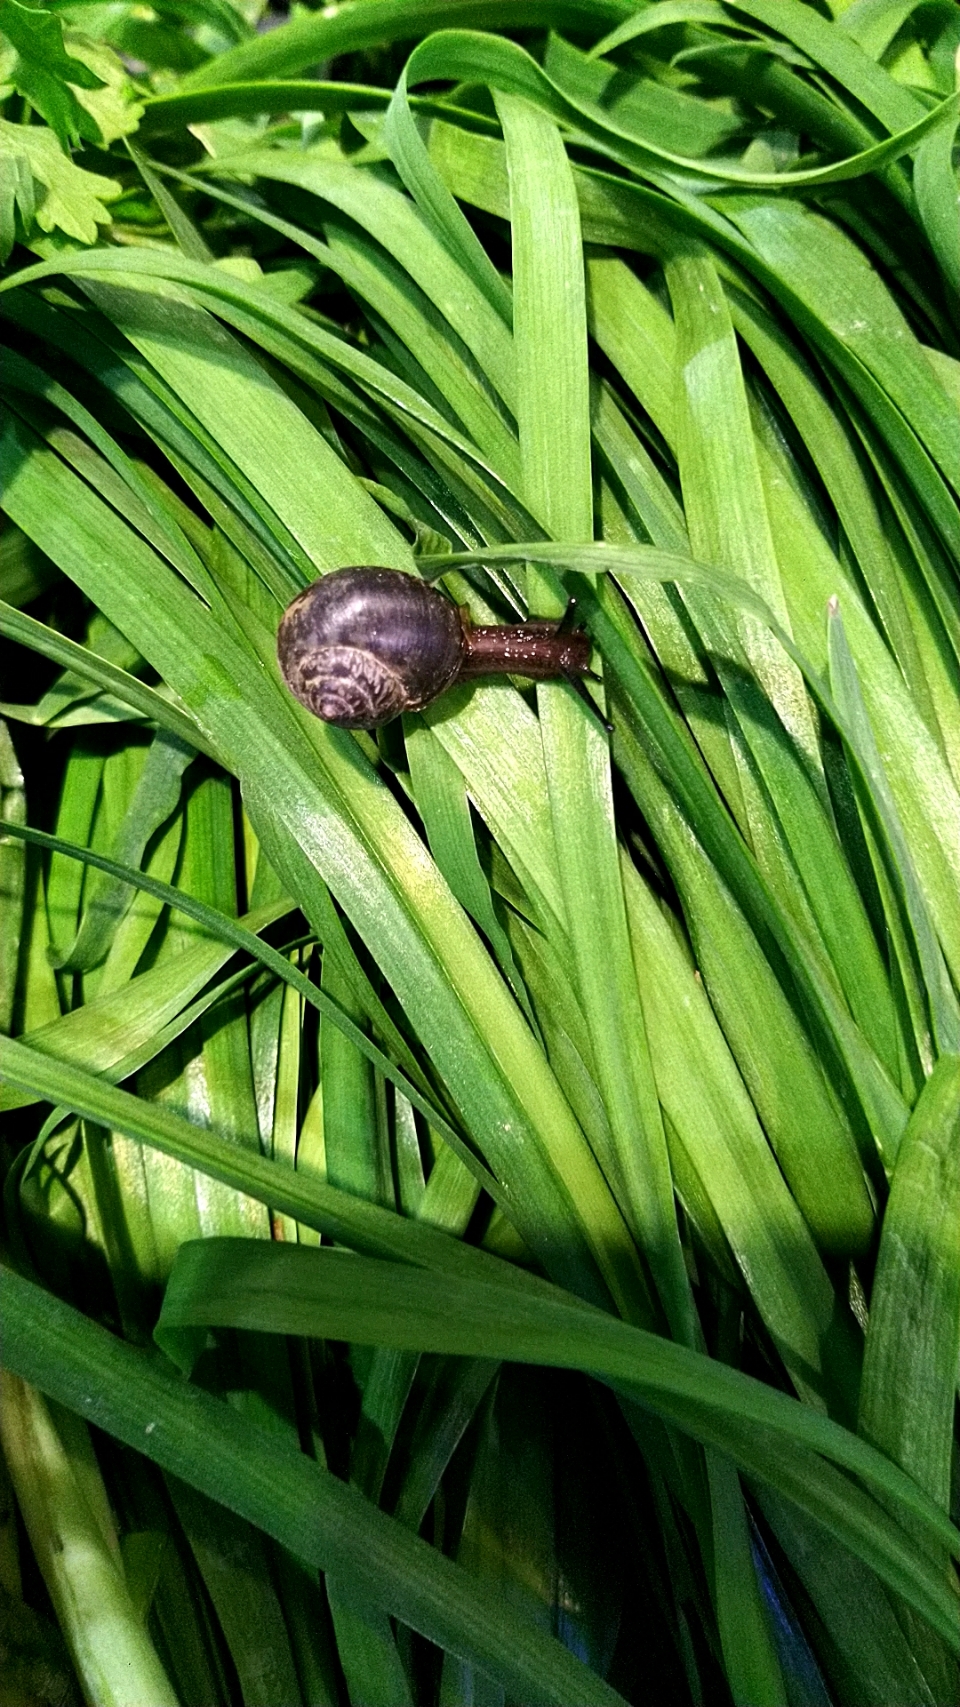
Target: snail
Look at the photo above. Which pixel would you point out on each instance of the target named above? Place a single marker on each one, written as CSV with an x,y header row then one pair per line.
x,y
360,646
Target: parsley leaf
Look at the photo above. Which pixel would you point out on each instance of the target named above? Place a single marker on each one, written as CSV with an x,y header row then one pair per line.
x,y
39,179
113,104
42,71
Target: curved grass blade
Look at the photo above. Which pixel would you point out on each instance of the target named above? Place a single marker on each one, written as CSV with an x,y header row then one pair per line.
x,y
22,375
145,701
704,1099
305,42
873,24
658,16
944,1008
702,1388
441,797
833,447
852,1604
374,276
933,179
647,107
88,338
287,760
346,1219
504,65
843,293
400,227
239,936
729,523
286,1288
909,1380
553,417
317,1517
777,1057
839,54
145,265
750,1657
273,95
249,415
494,740
769,241
908,1394
155,798
13,893
438,206
885,1110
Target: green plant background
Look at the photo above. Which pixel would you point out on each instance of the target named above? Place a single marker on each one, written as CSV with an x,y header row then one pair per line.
x,y
482,1210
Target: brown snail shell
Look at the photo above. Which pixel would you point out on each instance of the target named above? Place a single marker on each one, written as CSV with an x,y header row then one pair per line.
x,y
362,645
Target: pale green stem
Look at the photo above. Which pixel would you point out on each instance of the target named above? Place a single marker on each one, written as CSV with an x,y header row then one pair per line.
x,y
114,1657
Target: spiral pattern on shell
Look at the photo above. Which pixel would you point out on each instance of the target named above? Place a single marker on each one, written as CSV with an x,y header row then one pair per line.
x,y
348,686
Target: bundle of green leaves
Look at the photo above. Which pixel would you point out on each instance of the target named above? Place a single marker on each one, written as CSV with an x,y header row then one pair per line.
x,y
482,1197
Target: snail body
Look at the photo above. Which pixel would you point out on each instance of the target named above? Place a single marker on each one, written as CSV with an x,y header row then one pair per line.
x,y
362,645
